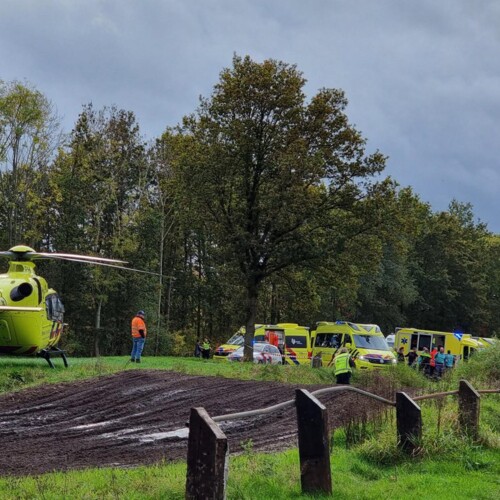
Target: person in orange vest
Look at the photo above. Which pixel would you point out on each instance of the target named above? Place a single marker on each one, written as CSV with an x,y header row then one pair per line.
x,y
432,362
139,332
272,338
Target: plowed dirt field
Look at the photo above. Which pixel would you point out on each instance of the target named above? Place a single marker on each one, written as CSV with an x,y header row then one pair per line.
x,y
139,417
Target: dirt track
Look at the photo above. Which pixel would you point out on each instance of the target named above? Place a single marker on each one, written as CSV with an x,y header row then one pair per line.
x,y
139,416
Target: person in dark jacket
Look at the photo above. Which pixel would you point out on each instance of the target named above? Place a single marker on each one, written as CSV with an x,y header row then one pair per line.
x,y
401,355
197,350
412,356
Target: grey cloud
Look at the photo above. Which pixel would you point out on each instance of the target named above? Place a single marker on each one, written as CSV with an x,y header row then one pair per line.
x,y
422,78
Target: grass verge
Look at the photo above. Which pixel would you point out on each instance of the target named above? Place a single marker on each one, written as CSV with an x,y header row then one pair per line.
x,y
19,373
277,476
365,460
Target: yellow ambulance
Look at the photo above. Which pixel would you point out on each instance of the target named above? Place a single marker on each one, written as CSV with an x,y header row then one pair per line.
x,y
485,341
293,341
366,344
459,344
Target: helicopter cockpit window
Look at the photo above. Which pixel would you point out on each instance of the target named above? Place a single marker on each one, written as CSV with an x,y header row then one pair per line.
x,y
55,308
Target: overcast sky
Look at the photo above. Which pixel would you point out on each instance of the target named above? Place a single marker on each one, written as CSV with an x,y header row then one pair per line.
x,y
422,76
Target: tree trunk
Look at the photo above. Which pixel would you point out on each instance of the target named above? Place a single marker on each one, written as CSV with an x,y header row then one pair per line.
x,y
158,312
169,302
97,328
251,314
274,305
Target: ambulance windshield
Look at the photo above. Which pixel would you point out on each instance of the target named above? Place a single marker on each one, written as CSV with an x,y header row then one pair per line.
x,y
236,339
371,342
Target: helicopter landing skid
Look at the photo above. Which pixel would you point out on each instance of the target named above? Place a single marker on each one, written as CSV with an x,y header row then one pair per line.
x,y
54,351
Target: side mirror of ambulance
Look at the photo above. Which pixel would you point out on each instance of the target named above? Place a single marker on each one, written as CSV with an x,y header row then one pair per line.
x,y
348,345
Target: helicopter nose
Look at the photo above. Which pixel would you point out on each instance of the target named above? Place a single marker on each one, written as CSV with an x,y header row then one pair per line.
x,y
21,291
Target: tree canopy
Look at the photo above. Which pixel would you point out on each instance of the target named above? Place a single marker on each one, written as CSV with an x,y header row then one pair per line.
x,y
274,179
262,206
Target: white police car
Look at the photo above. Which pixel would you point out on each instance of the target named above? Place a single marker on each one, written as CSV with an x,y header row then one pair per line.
x,y
262,353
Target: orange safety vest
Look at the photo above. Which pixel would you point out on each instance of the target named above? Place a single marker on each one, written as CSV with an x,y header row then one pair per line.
x,y
433,356
273,339
138,324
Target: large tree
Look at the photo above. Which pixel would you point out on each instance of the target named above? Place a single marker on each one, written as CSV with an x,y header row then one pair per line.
x,y
448,264
98,184
492,268
278,181
29,135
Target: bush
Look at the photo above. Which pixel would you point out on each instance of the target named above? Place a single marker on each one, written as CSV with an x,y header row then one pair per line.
x,y
182,344
390,380
482,369
441,439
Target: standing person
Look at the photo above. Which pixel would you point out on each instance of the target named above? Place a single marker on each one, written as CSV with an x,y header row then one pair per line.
x,y
197,350
139,332
424,361
401,355
272,338
449,362
432,362
440,359
412,356
205,349
343,365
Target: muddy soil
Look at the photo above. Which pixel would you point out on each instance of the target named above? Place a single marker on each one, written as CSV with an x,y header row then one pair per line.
x,y
139,417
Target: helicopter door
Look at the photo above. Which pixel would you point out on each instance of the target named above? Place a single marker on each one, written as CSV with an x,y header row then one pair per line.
x,y
39,288
55,308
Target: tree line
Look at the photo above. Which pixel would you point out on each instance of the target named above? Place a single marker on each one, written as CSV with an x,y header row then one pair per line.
x,y
262,206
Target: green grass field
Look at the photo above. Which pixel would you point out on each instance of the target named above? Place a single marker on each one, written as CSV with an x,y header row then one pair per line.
x,y
276,476
365,461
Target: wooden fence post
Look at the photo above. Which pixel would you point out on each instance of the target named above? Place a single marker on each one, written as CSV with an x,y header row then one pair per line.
x,y
207,459
314,451
468,409
409,422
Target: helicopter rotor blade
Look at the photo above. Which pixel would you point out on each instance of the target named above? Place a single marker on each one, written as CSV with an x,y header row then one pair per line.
x,y
7,254
71,256
105,264
29,255
20,308
23,253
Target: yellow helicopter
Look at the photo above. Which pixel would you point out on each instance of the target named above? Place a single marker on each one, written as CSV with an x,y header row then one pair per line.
x,y
31,313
